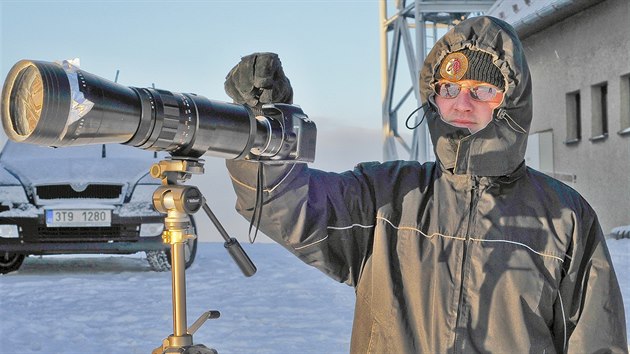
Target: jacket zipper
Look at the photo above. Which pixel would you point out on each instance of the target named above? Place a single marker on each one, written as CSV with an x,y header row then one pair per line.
x,y
474,198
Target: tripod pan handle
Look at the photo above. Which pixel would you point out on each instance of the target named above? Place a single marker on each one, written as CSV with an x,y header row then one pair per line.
x,y
240,257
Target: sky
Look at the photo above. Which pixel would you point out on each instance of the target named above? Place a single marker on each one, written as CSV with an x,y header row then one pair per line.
x,y
330,51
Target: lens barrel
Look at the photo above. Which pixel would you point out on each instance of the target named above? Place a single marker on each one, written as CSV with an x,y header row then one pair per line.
x,y
57,105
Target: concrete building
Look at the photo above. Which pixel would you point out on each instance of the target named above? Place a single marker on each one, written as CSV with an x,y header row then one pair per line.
x,y
579,55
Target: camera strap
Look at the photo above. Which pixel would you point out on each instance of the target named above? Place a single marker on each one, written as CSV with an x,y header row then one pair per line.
x,y
258,204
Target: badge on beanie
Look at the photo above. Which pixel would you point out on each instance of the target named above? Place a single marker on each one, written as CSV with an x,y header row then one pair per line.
x,y
454,66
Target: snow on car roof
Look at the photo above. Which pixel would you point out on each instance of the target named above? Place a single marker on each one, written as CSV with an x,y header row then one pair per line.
x,y
36,165
20,151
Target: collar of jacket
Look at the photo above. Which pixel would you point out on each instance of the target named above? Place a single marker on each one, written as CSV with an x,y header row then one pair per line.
x,y
499,148
488,181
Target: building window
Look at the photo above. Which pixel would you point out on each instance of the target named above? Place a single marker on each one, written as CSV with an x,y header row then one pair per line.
x,y
599,124
625,105
574,116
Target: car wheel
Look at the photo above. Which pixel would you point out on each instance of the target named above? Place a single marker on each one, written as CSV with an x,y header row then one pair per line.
x,y
160,261
10,262
157,261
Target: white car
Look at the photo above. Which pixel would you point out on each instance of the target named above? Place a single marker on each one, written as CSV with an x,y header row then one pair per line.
x,y
78,200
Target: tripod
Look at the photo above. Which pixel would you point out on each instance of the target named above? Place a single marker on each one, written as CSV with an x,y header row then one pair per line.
x,y
178,202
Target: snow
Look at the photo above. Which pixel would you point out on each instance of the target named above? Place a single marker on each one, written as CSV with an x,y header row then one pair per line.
x,y
620,253
621,232
115,304
138,209
9,193
75,164
22,211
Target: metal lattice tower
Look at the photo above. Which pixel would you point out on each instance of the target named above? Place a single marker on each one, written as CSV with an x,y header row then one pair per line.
x,y
415,26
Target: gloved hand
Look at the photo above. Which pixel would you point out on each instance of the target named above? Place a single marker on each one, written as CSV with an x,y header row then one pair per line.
x,y
258,79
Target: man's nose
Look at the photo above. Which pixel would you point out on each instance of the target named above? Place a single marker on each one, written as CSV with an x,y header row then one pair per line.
x,y
463,101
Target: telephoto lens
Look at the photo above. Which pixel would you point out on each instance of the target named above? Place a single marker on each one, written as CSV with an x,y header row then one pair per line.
x,y
58,104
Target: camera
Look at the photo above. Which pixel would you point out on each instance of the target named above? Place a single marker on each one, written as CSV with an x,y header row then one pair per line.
x,y
58,104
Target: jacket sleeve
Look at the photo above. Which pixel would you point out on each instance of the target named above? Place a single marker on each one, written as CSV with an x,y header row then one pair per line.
x,y
589,313
326,219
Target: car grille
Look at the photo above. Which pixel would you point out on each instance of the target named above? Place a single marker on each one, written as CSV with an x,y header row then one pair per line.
x,y
88,234
93,191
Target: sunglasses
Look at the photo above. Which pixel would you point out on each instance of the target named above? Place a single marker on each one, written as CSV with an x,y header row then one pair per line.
x,y
477,92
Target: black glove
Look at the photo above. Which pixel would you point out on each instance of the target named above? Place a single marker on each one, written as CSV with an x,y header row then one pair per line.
x,y
258,79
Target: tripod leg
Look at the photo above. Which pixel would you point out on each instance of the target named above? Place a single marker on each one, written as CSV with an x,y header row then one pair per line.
x,y
179,289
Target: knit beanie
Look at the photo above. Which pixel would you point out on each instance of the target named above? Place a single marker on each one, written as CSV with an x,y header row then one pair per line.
x,y
469,64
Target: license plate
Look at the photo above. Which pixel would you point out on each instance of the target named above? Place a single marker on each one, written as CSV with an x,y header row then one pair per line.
x,y
78,217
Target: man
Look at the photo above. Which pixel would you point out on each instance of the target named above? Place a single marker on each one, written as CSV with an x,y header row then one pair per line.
x,y
473,253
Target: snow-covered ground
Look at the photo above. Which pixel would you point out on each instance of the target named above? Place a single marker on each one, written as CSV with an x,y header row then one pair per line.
x,y
115,304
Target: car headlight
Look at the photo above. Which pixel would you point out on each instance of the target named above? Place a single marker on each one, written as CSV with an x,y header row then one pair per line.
x,y
151,229
13,194
9,231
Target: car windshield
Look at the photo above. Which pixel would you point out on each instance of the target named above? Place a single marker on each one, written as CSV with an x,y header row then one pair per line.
x,y
13,151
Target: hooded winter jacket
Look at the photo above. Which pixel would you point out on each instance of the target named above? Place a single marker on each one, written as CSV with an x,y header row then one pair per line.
x,y
472,253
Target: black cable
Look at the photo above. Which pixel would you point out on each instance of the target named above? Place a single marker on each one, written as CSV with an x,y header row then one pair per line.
x,y
258,205
424,114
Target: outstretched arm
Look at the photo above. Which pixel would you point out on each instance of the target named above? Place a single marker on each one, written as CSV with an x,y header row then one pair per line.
x,y
326,219
313,214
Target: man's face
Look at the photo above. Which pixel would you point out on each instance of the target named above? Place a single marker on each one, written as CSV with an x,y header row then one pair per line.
x,y
472,107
